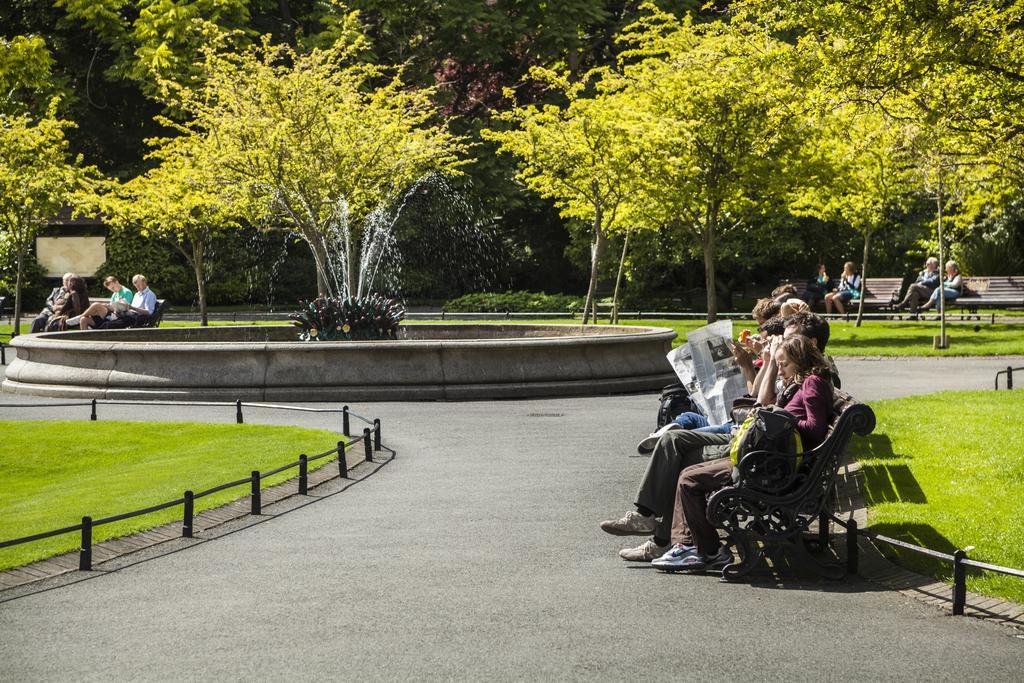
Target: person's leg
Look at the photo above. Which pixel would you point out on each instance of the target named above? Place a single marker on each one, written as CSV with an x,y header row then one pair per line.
x,y
724,428
39,323
691,420
931,300
690,520
674,451
839,300
951,295
828,301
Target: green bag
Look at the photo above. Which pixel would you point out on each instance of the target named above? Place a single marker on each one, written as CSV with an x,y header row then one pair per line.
x,y
767,429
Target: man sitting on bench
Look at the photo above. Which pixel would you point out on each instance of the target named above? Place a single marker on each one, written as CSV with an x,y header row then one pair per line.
x,y
141,308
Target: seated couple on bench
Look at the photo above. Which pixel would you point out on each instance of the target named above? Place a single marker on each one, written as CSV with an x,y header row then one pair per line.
x,y
687,466
123,310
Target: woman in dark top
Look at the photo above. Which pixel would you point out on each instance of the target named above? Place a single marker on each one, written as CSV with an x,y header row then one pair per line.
x,y
807,396
76,301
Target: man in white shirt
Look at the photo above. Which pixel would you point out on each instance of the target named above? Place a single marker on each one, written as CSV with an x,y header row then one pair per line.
x,y
143,303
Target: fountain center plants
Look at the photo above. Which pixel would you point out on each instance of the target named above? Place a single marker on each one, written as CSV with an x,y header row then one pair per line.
x,y
353,318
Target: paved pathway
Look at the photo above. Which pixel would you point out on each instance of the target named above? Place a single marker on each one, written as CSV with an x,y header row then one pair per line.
x,y
476,555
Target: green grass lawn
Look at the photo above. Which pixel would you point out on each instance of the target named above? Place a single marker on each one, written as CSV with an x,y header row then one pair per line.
x,y
882,338
889,338
53,473
946,471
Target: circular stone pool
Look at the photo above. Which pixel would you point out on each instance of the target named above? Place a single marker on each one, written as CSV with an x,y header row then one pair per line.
x,y
430,362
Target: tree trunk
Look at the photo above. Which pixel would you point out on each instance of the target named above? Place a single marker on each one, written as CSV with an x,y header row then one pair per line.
x,y
596,251
618,279
323,286
708,242
17,292
863,278
199,266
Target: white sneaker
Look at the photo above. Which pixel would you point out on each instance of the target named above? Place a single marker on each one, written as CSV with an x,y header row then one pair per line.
x,y
645,552
647,444
630,524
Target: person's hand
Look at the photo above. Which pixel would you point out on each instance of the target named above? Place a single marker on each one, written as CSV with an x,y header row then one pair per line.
x,y
768,355
757,343
741,354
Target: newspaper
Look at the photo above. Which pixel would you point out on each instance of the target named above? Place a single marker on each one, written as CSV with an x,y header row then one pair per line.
x,y
682,363
709,372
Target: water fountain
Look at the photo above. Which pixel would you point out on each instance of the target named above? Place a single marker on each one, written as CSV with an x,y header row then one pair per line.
x,y
425,362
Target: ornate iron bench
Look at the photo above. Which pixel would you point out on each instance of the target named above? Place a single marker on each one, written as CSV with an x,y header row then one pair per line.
x,y
776,497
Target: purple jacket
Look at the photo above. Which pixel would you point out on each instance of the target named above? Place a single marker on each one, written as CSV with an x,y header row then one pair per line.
x,y
811,405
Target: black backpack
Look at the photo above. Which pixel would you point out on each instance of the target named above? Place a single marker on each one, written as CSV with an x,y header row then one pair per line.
x,y
675,399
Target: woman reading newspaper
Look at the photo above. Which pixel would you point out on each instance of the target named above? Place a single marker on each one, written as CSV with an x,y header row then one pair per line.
x,y
680,453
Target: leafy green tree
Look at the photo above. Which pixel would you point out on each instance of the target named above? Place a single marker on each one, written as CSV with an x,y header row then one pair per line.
x,y
318,141
723,116
954,69
583,156
180,202
37,179
26,75
865,175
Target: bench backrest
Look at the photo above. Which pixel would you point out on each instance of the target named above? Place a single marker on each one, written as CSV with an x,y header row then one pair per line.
x,y
158,313
1009,287
882,288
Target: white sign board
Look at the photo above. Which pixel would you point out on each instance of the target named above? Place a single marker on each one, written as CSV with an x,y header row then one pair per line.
x,y
79,255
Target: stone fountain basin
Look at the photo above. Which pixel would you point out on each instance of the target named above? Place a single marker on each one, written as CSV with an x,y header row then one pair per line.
x,y
430,362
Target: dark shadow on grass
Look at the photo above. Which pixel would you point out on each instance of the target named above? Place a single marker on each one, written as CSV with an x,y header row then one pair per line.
x,y
873,446
895,483
923,535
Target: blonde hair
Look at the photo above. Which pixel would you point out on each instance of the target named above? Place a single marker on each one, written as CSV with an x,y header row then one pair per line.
x,y
792,306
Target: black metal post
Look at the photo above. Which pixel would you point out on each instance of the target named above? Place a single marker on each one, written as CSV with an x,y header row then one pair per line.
x,y
852,550
342,463
1009,377
92,415
303,479
238,411
85,553
823,522
255,504
3,353
376,433
346,428
959,582
366,445
186,522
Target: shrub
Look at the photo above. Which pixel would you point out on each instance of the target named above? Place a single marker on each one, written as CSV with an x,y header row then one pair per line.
x,y
514,302
372,317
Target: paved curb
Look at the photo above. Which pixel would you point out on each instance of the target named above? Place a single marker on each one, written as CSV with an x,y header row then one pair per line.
x,y
112,549
875,567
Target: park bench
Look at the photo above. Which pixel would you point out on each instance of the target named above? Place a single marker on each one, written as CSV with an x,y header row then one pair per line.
x,y
162,306
774,500
991,292
880,292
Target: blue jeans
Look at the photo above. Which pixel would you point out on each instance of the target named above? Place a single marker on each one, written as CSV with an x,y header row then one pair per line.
x,y
699,423
951,295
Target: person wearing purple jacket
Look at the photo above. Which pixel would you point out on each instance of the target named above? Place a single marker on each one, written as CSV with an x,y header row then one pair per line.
x,y
807,396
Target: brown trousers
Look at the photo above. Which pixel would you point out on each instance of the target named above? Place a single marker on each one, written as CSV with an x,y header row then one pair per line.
x,y
690,525
917,294
675,450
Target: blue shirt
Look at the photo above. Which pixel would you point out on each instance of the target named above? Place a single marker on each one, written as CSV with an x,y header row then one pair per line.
x,y
145,299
